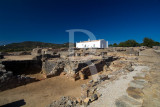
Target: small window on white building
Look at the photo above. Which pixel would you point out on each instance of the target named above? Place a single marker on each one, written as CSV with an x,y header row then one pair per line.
x,y
94,45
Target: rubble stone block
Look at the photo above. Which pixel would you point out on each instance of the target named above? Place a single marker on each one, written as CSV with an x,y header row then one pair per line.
x,y
94,97
126,101
135,92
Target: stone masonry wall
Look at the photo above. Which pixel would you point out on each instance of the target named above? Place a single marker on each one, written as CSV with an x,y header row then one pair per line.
x,y
8,80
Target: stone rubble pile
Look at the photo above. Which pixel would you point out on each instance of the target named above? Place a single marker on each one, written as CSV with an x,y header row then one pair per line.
x,y
119,68
89,91
64,102
80,69
88,94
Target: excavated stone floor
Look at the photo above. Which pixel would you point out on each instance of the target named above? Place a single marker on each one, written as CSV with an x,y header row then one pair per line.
x,y
139,88
111,91
133,82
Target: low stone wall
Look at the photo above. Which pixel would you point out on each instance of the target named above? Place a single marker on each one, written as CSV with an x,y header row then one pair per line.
x,y
1,56
156,47
20,67
96,66
72,68
132,52
52,67
8,80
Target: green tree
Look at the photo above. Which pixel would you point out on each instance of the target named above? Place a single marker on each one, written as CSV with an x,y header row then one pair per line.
x,y
148,42
129,43
110,45
29,45
115,45
156,44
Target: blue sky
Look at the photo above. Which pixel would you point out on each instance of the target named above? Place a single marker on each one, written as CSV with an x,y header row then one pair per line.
x,y
48,20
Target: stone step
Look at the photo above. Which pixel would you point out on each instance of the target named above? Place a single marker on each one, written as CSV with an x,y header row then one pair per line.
x,y
140,76
126,101
140,83
136,93
151,103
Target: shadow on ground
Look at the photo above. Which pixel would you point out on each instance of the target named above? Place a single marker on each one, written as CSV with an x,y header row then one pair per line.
x,y
18,103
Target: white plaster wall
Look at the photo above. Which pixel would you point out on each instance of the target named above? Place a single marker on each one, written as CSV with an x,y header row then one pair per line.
x,y
104,44
92,44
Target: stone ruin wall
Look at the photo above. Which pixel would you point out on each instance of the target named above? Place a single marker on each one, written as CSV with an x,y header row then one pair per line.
x,y
20,67
73,69
54,67
8,80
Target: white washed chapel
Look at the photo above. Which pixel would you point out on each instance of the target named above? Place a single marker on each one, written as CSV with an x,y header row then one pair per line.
x,y
92,44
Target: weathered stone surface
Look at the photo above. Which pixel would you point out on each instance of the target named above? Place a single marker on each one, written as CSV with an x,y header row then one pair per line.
x,y
89,92
111,76
64,102
19,67
87,100
129,68
140,83
100,78
1,56
79,100
156,47
105,68
126,101
121,65
154,102
81,75
94,97
135,92
37,52
133,84
140,76
131,51
53,67
8,80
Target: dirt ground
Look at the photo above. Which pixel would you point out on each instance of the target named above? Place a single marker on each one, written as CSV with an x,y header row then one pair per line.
x,y
42,93
21,57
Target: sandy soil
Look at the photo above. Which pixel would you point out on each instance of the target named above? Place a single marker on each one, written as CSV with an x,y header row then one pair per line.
x,y
42,93
21,57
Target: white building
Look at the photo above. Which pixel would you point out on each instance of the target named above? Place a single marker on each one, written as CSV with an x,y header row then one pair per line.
x,y
92,44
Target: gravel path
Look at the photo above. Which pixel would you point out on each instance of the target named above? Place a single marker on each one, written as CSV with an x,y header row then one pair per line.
x,y
115,89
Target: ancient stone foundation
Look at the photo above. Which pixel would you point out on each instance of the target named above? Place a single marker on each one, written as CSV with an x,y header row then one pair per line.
x,y
8,80
23,66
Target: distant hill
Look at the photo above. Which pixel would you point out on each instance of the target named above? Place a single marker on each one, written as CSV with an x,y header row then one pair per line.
x,y
29,45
